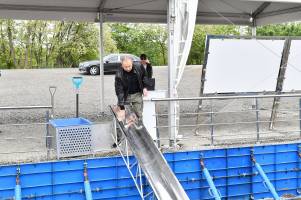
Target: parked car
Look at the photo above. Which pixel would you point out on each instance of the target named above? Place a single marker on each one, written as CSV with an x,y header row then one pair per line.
x,y
111,63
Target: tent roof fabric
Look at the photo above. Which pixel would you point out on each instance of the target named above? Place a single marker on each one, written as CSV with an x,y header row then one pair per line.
x,y
239,12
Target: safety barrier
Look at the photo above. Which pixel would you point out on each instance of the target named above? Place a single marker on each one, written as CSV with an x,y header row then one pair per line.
x,y
232,119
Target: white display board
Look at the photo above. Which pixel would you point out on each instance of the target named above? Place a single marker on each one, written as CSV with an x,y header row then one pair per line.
x,y
242,65
292,79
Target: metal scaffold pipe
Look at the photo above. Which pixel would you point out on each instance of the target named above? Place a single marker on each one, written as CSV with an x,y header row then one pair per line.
x,y
18,193
88,191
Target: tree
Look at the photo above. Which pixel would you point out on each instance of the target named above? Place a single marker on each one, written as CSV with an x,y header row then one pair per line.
x,y
109,42
3,45
12,57
141,38
28,44
35,44
197,51
290,29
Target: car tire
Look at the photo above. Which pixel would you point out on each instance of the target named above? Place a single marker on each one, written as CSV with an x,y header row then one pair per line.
x,y
94,70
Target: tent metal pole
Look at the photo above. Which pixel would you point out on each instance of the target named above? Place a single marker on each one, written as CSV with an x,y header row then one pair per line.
x,y
254,31
171,71
101,54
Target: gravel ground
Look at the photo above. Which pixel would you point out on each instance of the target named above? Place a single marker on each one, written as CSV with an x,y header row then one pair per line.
x,y
30,87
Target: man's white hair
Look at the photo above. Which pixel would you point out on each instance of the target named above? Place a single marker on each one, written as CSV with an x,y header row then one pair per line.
x,y
126,58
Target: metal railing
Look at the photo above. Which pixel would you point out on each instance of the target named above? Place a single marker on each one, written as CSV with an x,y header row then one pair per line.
x,y
125,152
214,126
49,114
214,123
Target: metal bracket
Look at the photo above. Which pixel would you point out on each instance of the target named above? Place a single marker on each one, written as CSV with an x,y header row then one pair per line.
x,y
18,193
213,192
266,182
87,185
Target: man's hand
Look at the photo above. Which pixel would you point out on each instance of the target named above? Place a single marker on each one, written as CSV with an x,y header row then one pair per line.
x,y
145,92
147,61
120,113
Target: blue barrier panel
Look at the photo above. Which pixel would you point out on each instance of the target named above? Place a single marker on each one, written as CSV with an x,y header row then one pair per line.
x,y
231,170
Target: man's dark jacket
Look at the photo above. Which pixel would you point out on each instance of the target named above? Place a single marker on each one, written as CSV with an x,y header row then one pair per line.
x,y
149,70
121,84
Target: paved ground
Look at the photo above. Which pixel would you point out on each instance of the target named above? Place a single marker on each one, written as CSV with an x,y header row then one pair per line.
x,y
30,87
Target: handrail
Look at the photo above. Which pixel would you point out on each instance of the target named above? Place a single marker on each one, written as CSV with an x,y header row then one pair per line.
x,y
25,107
208,115
225,97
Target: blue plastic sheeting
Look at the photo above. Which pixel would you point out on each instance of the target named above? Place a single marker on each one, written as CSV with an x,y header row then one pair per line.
x,y
232,170
57,123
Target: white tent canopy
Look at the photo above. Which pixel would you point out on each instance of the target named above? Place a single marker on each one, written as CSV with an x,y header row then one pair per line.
x,y
153,11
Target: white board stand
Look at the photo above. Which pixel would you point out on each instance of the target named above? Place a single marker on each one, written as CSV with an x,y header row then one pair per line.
x,y
149,111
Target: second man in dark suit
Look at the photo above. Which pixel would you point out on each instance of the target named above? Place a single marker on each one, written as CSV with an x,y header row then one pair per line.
x,y
147,66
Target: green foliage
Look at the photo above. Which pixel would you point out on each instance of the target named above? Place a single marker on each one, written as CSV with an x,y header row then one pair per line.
x,y
196,55
141,38
79,44
109,43
152,40
37,44
291,29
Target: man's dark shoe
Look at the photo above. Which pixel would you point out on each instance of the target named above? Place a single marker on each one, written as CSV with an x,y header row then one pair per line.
x,y
115,145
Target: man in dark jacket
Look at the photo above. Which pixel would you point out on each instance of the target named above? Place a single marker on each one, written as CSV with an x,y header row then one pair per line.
x,y
130,85
146,66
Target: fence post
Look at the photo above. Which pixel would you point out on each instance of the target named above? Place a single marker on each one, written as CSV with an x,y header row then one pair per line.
x,y
211,121
52,90
47,134
257,120
157,129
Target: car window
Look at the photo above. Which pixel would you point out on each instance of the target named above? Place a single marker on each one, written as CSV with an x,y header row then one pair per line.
x,y
134,58
113,58
106,57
